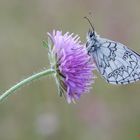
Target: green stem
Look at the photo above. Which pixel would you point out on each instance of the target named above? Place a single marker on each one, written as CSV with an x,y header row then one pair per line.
x,y
26,81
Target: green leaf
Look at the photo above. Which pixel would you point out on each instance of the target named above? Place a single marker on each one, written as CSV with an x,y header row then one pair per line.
x,y
45,44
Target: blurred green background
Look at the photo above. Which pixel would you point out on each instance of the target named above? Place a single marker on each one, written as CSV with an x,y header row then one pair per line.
x,y
36,112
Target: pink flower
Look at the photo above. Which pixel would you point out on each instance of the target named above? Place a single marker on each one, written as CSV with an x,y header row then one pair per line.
x,y
74,67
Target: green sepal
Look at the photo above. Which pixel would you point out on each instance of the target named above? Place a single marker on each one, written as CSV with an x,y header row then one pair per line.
x,y
45,44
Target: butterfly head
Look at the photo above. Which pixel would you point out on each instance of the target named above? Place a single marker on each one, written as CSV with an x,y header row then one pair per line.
x,y
92,37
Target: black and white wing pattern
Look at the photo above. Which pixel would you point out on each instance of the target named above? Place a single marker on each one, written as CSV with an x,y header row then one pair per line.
x,y
117,63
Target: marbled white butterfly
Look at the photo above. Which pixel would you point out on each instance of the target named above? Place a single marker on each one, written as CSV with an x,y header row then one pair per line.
x,y
114,61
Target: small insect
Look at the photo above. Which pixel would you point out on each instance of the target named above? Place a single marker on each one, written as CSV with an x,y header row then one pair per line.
x,y
114,61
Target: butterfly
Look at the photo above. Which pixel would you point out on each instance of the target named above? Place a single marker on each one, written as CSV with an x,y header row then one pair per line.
x,y
115,62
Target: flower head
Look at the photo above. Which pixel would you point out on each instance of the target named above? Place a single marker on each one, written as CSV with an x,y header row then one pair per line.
x,y
74,68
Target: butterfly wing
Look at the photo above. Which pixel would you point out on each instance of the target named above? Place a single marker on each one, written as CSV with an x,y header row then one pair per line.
x,y
117,63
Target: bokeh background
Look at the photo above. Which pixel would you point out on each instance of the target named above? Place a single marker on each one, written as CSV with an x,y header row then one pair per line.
x,y
36,112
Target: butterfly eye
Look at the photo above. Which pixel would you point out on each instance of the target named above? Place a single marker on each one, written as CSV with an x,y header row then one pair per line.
x,y
91,35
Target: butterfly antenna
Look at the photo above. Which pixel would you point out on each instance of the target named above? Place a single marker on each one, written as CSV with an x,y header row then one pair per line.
x,y
90,23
